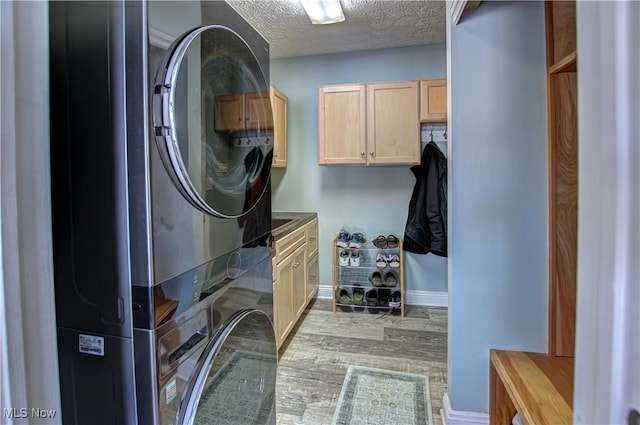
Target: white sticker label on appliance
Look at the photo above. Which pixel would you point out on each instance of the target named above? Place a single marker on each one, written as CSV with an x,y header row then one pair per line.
x,y
171,391
91,344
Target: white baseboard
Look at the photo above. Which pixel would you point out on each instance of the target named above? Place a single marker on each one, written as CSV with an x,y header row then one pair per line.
x,y
428,298
325,293
424,298
458,417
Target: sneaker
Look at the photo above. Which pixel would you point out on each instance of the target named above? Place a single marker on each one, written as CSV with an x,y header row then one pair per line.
x,y
395,301
390,280
376,279
371,299
343,239
381,261
380,242
357,240
354,259
392,241
343,296
394,261
344,257
358,295
383,297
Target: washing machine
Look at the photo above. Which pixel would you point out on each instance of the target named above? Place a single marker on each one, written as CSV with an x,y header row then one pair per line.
x,y
161,150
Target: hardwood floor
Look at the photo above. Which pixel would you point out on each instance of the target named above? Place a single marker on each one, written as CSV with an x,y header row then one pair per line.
x,y
314,359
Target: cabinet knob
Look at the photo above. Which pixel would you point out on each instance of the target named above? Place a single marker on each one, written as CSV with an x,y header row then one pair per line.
x,y
296,265
371,153
361,153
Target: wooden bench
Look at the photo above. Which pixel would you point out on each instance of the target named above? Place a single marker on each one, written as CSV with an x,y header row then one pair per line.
x,y
536,385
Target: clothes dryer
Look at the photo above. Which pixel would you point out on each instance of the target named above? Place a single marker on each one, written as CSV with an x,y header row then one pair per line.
x,y
161,149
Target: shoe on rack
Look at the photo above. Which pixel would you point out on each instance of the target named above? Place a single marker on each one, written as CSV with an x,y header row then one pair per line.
x,y
395,301
358,295
394,261
376,279
357,240
344,257
392,241
381,261
354,259
371,298
383,297
380,242
343,296
390,280
343,239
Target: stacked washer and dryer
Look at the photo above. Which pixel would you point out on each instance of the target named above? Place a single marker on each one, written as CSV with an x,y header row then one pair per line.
x,y
161,213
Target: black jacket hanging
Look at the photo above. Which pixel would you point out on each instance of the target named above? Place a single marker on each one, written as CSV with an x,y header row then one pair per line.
x,y
426,229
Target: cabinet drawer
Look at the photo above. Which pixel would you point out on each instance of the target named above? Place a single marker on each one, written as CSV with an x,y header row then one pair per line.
x,y
289,243
312,238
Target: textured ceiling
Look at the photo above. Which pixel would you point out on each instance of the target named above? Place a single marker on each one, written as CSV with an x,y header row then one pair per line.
x,y
369,24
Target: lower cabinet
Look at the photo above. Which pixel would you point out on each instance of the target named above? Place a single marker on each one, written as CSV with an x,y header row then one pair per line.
x,y
283,299
312,281
298,281
295,277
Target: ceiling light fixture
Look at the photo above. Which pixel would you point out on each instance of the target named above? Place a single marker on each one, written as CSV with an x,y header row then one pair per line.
x,y
323,11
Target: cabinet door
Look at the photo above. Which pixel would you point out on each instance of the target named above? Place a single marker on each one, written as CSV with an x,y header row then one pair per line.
x,y
258,111
283,299
312,238
341,124
279,105
313,279
299,280
229,112
393,130
433,100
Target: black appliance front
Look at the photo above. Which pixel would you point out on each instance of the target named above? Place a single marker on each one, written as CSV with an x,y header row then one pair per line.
x,y
150,177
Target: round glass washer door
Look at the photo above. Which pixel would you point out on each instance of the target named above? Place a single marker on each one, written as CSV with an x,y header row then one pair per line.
x,y
234,380
213,122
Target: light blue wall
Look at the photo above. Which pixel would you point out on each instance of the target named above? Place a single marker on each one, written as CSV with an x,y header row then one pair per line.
x,y
374,200
498,287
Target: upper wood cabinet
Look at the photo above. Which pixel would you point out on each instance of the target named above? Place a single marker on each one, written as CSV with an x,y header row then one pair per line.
x,y
433,100
393,129
279,104
243,111
342,126
369,124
